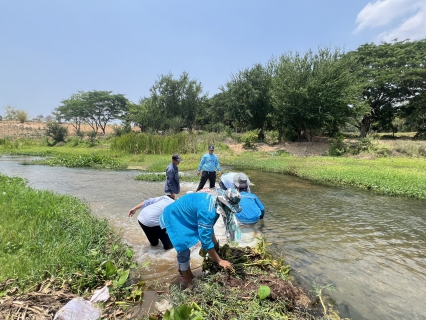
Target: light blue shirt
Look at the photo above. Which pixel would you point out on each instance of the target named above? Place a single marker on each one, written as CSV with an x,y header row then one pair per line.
x,y
190,219
251,208
209,162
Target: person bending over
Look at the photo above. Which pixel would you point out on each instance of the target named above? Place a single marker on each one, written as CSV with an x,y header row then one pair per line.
x,y
191,219
148,219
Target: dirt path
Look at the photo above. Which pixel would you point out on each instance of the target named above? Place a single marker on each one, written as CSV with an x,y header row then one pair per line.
x,y
315,148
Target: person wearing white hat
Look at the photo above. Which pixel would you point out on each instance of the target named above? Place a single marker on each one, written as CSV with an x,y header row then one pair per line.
x,y
252,208
227,180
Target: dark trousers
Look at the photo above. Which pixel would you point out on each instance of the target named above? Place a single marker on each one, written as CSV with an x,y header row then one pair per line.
x,y
207,175
222,186
155,233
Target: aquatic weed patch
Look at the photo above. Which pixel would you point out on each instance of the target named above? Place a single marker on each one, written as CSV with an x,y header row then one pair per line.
x,y
396,176
147,176
81,161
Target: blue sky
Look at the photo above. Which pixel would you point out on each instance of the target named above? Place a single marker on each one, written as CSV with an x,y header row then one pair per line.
x,y
52,49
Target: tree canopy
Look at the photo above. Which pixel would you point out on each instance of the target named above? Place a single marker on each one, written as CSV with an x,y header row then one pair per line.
x,y
172,105
96,108
311,92
387,75
300,95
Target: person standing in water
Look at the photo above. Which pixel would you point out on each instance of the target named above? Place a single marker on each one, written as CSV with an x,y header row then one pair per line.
x,y
208,165
152,208
172,184
190,220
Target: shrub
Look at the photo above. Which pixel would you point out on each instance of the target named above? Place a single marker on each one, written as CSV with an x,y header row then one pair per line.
x,y
120,130
21,116
56,132
92,135
337,145
249,138
80,134
271,137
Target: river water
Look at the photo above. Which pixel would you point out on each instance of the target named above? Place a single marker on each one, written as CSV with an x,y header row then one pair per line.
x,y
372,248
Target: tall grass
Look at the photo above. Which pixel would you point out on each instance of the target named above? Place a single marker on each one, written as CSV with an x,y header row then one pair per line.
x,y
184,143
409,147
44,234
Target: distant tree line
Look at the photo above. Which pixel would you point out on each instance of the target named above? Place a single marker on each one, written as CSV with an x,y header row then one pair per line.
x,y
376,87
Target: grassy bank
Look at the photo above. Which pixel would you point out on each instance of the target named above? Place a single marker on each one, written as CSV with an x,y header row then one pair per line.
x,y
395,176
51,244
51,236
396,168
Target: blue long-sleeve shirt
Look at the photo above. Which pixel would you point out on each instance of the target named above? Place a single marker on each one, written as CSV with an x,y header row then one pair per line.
x,y
252,208
190,219
209,162
172,184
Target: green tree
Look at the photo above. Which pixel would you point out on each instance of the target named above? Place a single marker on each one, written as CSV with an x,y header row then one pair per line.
x,y
414,113
101,107
174,102
311,93
139,114
71,110
22,116
248,98
96,108
387,75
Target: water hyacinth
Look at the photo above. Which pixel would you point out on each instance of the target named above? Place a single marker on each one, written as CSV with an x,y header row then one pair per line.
x,y
81,161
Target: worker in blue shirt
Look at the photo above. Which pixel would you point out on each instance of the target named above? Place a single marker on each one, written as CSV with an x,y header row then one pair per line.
x,y
208,164
172,184
252,208
191,218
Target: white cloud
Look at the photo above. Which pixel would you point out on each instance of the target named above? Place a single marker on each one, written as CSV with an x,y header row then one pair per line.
x,y
413,28
383,12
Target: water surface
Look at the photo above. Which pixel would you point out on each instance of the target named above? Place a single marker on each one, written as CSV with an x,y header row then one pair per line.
x,y
371,247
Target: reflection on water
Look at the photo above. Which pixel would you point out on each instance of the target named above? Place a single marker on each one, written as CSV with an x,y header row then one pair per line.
x,y
371,247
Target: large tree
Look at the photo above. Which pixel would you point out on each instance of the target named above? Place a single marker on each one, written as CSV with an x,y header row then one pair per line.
x,y
101,107
247,99
173,103
71,110
96,108
387,75
311,92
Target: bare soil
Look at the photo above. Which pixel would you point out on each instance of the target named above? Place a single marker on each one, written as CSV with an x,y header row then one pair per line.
x,y
15,129
301,148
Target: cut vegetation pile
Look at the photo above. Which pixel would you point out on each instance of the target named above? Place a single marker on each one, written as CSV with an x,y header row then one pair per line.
x,y
258,287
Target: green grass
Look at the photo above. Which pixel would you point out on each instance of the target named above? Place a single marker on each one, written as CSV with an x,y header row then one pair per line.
x,y
45,234
392,176
162,177
400,176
